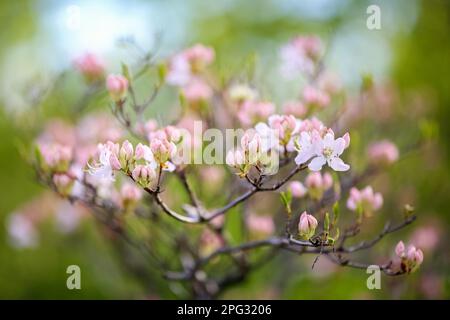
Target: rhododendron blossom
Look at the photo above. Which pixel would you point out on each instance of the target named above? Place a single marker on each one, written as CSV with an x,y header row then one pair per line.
x,y
365,200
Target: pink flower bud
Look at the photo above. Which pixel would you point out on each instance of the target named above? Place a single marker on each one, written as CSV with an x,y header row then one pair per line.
x,y
126,151
130,193
297,189
143,174
117,86
382,153
197,91
365,200
307,225
114,162
90,66
260,224
315,98
295,108
346,138
400,249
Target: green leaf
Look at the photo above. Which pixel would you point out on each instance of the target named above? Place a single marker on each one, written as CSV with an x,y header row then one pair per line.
x,y
126,72
326,223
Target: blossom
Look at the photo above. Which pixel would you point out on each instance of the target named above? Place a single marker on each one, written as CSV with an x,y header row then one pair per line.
x,y
253,111
196,91
315,98
382,153
317,184
90,66
410,258
129,195
22,231
117,86
108,162
260,225
364,200
327,151
300,55
163,150
144,175
295,108
56,156
63,183
297,189
240,93
305,148
185,65
307,225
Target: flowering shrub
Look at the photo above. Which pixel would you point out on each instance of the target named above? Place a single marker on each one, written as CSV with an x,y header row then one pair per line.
x,y
121,168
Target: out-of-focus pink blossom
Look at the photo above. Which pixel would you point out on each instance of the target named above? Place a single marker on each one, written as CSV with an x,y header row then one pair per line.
x,y
297,189
196,91
317,184
117,86
426,237
56,156
307,225
329,83
315,98
184,66
130,194
295,108
300,55
262,225
90,66
209,242
22,231
253,111
365,200
382,153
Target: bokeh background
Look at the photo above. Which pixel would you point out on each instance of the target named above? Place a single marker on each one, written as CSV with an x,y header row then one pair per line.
x,y
408,58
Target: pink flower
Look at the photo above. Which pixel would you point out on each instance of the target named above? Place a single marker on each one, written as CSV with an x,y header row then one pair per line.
x,y
297,189
56,156
163,150
426,237
260,224
409,258
315,98
130,193
90,66
183,66
382,153
317,184
22,231
196,91
284,126
296,108
117,86
253,111
144,175
307,225
63,183
300,55
365,200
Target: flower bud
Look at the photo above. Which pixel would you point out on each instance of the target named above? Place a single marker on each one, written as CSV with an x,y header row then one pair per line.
x,y
297,189
117,86
63,183
144,175
307,225
126,153
90,66
382,153
130,194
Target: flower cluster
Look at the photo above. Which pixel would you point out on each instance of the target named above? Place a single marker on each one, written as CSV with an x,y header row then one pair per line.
x,y
408,258
364,201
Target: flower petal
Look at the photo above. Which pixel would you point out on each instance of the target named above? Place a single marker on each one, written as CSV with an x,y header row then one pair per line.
x,y
337,164
317,163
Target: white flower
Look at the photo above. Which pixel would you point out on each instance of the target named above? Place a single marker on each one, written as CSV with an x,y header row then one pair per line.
x,y
269,137
304,147
328,150
103,169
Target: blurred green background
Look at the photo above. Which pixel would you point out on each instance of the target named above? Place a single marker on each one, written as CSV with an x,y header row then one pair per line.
x,y
411,52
